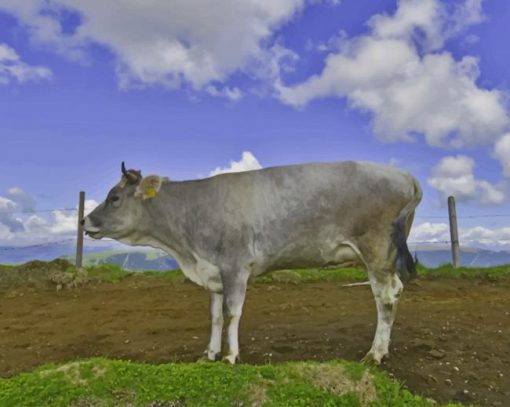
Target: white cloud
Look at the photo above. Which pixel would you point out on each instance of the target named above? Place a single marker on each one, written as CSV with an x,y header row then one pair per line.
x,y
473,236
12,68
429,23
468,13
486,236
411,16
8,216
430,233
246,163
163,42
21,229
64,222
391,73
453,175
234,94
502,153
21,198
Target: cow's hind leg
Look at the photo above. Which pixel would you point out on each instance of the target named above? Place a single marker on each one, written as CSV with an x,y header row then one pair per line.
x,y
234,292
213,350
386,287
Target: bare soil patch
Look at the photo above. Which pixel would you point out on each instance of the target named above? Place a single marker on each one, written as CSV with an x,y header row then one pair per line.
x,y
450,341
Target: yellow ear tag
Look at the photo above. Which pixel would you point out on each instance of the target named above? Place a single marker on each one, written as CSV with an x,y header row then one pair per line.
x,y
150,192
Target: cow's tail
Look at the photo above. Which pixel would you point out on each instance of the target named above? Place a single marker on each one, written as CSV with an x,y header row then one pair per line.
x,y
404,262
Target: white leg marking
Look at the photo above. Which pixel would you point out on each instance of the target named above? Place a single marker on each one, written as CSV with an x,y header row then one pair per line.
x,y
233,342
216,311
386,297
234,291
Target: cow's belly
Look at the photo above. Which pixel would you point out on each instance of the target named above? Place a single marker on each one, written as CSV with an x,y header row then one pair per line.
x,y
343,254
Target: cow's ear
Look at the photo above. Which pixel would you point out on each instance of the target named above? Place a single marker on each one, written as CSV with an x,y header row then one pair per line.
x,y
149,186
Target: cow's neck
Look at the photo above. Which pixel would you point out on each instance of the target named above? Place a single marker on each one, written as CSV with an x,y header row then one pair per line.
x,y
161,229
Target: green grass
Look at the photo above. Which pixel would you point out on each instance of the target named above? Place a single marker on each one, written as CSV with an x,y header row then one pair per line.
x,y
106,382
113,273
495,273
107,272
447,271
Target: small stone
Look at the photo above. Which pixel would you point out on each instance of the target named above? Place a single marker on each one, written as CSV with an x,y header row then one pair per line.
x,y
127,341
456,368
448,382
437,354
432,378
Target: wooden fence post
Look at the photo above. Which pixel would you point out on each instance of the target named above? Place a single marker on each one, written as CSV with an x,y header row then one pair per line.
x,y
79,238
454,234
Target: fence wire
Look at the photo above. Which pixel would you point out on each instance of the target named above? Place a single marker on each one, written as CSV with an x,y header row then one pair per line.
x,y
52,243
29,211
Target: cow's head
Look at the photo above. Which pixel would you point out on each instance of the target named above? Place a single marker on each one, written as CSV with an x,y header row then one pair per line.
x,y
118,216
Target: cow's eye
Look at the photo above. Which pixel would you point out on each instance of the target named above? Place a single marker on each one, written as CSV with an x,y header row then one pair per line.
x,y
114,198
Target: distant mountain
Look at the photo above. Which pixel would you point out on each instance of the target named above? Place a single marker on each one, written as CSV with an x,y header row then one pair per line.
x,y
128,259
46,252
133,260
434,256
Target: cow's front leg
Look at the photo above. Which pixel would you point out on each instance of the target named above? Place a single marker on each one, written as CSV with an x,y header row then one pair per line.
x,y
234,292
213,350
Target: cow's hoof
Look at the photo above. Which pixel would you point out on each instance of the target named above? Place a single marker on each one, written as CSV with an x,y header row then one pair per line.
x,y
210,356
232,359
371,359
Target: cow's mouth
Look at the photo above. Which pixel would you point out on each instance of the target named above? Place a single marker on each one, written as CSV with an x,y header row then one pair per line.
x,y
94,235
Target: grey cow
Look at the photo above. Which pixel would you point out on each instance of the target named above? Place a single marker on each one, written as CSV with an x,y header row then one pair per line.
x,y
225,229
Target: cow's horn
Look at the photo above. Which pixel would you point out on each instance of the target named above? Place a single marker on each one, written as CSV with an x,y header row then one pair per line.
x,y
131,175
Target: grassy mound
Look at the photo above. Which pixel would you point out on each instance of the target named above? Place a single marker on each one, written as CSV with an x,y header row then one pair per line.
x,y
39,274
103,382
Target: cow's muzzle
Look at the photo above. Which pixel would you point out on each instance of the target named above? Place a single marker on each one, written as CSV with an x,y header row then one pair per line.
x,y
91,230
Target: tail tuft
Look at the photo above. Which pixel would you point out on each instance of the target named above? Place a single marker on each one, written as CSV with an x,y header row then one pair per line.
x,y
405,264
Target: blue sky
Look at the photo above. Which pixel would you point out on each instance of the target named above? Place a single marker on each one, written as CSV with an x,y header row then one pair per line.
x,y
183,89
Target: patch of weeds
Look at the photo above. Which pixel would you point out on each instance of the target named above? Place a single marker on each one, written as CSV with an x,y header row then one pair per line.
x,y
335,379
354,370
107,272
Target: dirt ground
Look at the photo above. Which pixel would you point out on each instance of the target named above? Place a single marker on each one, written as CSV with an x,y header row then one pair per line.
x,y
450,341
